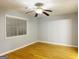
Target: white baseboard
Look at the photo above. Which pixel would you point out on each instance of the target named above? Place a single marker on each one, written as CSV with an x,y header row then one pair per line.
x,y
5,53
58,44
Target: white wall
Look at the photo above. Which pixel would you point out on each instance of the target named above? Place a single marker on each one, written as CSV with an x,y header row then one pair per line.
x,y
59,29
12,43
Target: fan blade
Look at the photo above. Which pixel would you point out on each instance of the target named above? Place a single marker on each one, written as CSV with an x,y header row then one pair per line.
x,y
36,15
49,10
46,13
28,12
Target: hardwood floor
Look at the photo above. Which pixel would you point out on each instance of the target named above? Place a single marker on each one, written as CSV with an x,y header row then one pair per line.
x,y
45,51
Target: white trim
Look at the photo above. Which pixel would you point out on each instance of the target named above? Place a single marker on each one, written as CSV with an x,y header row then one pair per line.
x,y
15,36
1,54
58,44
16,17
5,28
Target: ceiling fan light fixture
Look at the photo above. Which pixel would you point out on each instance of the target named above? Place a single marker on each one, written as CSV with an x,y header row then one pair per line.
x,y
39,11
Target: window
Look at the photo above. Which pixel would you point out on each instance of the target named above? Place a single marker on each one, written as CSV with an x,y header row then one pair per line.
x,y
15,26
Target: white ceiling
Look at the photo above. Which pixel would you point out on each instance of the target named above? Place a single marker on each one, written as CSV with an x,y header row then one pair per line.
x,y
58,6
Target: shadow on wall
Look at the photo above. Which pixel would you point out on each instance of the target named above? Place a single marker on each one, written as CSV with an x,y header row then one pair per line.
x,y
75,30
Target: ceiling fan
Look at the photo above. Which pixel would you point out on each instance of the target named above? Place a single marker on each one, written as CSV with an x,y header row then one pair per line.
x,y
39,10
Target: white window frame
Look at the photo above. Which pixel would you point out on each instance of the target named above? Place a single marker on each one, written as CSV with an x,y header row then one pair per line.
x,y
20,18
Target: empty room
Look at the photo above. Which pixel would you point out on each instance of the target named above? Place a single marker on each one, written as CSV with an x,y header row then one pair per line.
x,y
38,29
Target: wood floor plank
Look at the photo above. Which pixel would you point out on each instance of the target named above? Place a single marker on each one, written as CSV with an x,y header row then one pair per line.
x,y
45,51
